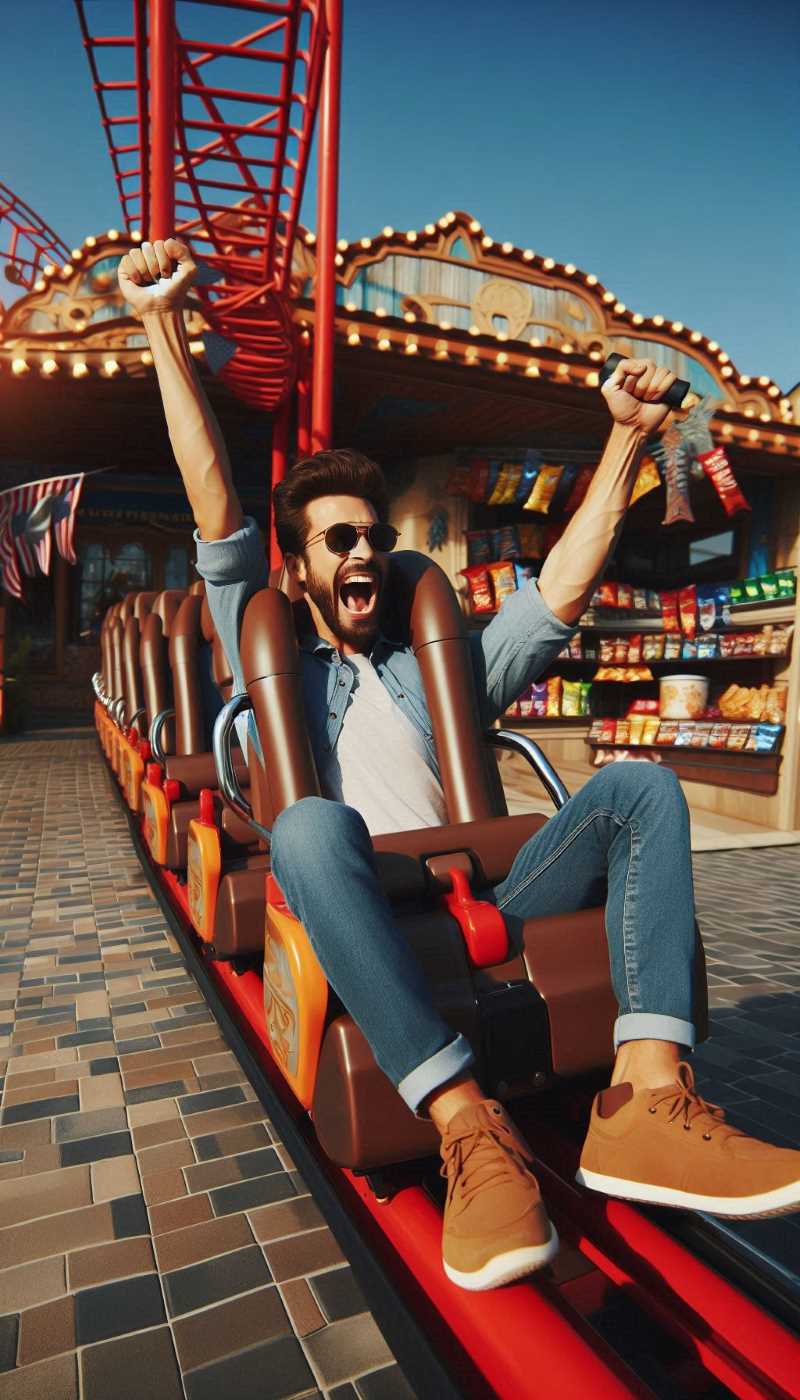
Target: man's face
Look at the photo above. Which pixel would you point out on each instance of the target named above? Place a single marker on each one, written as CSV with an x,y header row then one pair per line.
x,y
346,591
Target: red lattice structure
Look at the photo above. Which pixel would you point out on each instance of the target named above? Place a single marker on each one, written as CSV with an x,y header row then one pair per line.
x,y
27,243
209,108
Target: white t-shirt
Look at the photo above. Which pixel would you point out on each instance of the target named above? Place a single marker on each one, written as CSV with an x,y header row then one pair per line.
x,y
379,764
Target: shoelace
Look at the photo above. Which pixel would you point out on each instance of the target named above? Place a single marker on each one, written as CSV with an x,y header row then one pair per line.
x,y
508,1165
684,1100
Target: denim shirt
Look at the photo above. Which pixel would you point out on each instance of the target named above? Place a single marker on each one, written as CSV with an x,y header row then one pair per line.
x,y
507,655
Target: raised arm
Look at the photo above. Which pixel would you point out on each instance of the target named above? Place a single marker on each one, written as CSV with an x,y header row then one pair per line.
x,y
575,565
155,279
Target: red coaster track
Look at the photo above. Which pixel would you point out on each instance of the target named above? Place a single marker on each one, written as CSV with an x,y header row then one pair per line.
x,y
198,149
27,243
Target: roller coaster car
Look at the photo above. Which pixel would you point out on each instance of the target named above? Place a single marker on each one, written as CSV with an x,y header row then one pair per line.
x,y
532,1014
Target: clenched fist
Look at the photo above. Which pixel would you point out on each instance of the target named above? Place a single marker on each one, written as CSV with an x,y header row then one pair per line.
x,y
631,394
155,277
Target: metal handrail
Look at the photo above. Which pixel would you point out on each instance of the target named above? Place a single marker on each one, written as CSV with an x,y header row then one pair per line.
x,y
221,745
137,716
521,744
155,734
117,708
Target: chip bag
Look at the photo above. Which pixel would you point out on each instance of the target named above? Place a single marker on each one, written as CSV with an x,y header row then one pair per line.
x,y
554,686
480,588
503,579
571,698
647,478
544,489
687,603
718,470
479,547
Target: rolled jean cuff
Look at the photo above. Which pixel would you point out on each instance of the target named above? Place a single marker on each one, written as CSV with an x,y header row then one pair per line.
x,y
648,1025
446,1064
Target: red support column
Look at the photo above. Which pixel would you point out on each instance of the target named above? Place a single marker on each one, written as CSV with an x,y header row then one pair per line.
x,y
327,198
280,455
304,403
163,100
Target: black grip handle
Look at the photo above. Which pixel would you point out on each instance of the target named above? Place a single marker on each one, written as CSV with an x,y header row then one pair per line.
x,y
674,396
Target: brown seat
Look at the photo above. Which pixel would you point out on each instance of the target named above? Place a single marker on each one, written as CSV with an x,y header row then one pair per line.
x,y
154,660
548,1010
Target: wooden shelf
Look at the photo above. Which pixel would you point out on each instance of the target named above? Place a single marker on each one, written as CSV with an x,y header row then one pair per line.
x,y
743,616
731,768
572,722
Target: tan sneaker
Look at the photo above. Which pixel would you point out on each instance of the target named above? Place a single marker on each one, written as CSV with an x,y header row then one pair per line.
x,y
495,1225
669,1147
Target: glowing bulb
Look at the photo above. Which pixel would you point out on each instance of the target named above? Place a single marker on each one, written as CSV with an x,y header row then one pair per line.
x,y
76,254
350,306
567,348
311,238
49,269
443,222
146,357
723,358
380,311
487,241
508,247
196,347
411,347
762,378
474,330
388,231
548,263
502,358
80,369
563,369
111,367
136,235
49,366
591,280
712,345
773,391
409,316
338,260
528,254
744,378
570,269
658,320
474,226
726,371
532,370
445,326
727,430
677,326
619,307
764,417
780,439
354,338
113,234
342,245
40,285
753,435
501,335
637,318
90,242
412,235
430,228
608,296
593,379
695,337
749,413
441,351
595,355
19,366
384,343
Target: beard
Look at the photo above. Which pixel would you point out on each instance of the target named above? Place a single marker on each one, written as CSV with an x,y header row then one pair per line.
x,y
346,625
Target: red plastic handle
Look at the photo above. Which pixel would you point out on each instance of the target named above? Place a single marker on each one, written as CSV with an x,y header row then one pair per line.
x,y
481,923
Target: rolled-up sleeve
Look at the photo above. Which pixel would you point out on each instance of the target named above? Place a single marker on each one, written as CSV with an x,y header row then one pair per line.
x,y
516,647
234,569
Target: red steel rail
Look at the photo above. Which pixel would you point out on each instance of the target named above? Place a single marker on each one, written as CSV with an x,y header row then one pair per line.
x,y
209,110
27,243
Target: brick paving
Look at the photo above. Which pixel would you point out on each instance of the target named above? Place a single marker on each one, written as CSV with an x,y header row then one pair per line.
x,y
155,1236
151,1223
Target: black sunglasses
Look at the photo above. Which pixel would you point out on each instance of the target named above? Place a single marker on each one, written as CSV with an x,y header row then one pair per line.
x,y
343,537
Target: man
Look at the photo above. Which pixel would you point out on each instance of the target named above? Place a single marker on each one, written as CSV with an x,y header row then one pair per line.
x,y
651,1136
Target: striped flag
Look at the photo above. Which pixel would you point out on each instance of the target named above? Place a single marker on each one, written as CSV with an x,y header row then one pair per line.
x,y
26,515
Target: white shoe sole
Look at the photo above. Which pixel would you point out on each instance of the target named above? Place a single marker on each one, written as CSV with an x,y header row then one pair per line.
x,y
504,1268
777,1202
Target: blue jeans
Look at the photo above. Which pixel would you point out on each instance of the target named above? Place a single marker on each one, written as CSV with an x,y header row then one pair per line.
x,y
623,838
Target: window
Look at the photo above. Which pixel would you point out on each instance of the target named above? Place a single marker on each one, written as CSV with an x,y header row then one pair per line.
x,y
712,547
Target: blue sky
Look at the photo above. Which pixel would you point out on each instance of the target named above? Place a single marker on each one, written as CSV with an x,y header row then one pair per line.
x,y
656,146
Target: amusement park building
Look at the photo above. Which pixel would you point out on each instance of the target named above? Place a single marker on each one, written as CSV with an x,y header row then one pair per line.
x,y
447,341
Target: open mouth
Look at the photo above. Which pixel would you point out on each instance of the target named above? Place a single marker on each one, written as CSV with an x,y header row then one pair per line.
x,y
359,594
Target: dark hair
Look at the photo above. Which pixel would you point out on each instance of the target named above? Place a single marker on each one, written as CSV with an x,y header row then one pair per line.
x,y
338,472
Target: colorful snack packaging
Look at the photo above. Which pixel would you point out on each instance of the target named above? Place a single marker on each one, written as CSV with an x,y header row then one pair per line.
x,y
762,640
672,648
708,647
575,648
635,648
586,696
504,580
539,699
683,738
718,738
595,730
522,573
571,698
498,484
701,735
531,541
554,686
512,476
544,489
563,490
609,732
787,583
688,649
651,729
563,655
727,644
636,728
607,595
532,464
513,710
738,736
579,490
606,650
718,470
647,479
624,596
589,648
653,600
676,475
706,608
478,479
752,590
667,731
479,547
526,703
640,599
505,543
669,608
768,737
737,593
621,651
769,586
775,700
643,707
780,641
480,588
687,605
491,480
623,734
